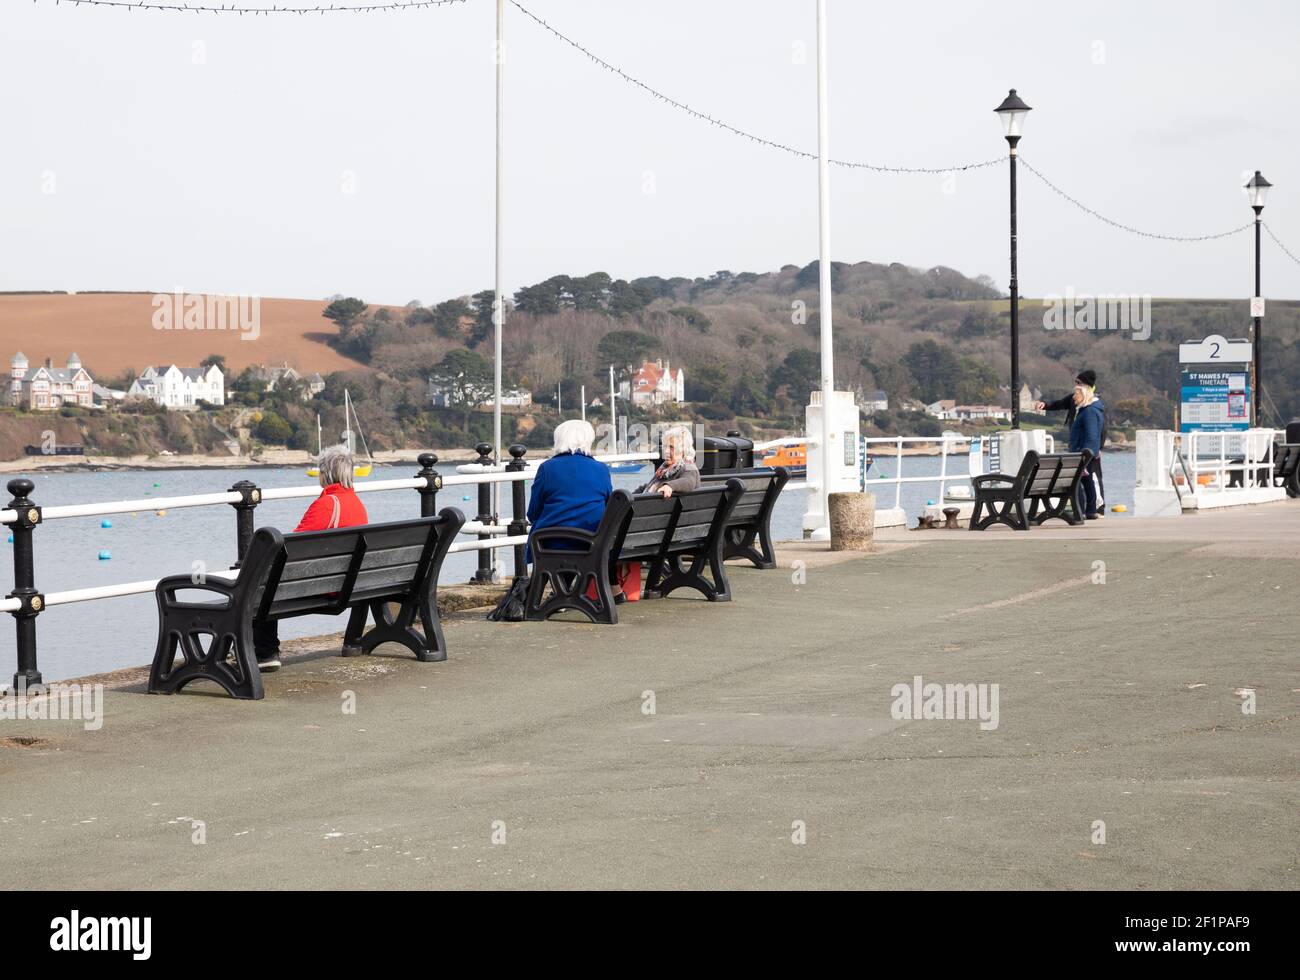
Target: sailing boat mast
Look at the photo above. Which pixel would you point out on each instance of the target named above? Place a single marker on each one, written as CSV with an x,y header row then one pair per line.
x,y
347,421
613,410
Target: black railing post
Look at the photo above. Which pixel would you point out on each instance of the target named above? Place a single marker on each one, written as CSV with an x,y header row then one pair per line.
x,y
485,515
250,496
33,602
432,484
519,506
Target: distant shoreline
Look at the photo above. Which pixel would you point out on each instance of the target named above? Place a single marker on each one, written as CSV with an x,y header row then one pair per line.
x,y
273,459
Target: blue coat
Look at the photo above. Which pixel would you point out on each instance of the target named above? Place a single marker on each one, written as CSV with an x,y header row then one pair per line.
x,y
1088,428
570,490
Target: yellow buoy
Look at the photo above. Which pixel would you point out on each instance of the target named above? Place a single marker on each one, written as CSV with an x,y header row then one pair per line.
x,y
1119,509
161,513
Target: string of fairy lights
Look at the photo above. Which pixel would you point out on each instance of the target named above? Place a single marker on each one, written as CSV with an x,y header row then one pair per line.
x,y
1278,242
233,8
697,114
1129,228
736,130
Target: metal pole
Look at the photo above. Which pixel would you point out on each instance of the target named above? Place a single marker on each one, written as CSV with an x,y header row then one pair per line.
x,y
1259,323
25,591
249,497
1015,305
584,403
499,304
486,563
432,482
824,262
519,507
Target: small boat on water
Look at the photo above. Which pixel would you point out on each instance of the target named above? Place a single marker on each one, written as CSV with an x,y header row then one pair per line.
x,y
349,434
793,458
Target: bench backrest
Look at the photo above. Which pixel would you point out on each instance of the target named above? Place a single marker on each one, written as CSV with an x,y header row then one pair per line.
x,y
657,525
326,571
762,487
1286,456
1055,473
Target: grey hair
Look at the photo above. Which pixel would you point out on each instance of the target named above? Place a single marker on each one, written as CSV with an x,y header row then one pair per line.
x,y
335,465
681,434
574,436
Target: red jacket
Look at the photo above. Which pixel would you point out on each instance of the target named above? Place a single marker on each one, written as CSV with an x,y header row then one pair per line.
x,y
337,506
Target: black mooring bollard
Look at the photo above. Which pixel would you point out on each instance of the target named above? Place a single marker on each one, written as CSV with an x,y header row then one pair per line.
x,y
432,484
33,602
519,505
250,497
485,515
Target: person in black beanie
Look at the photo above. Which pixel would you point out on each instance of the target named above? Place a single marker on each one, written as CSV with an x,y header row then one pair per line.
x,y
1087,378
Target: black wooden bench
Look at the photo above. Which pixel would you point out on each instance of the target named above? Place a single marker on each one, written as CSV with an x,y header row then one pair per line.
x,y
1050,480
314,572
1286,470
749,528
680,537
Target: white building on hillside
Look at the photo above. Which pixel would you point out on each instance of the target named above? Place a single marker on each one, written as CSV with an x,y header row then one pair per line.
x,y
183,388
655,383
978,413
47,387
480,396
311,386
875,401
944,408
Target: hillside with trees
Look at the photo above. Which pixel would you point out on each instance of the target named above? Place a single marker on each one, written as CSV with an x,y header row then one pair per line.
x,y
748,343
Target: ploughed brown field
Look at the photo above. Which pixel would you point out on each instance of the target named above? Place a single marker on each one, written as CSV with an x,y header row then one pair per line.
x,y
116,332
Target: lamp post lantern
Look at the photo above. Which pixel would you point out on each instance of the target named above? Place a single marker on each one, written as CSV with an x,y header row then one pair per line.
x,y
1012,112
1257,188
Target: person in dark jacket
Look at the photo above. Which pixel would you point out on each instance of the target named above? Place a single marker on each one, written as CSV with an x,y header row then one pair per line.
x,y
337,506
1088,378
571,488
1087,432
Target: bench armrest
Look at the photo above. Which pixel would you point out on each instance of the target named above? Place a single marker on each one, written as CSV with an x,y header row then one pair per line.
x,y
583,540
988,479
168,587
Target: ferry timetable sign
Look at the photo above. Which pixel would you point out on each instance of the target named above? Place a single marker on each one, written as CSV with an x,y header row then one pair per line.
x,y
1215,385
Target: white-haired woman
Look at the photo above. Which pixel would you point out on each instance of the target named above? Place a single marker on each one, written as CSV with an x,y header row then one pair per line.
x,y
337,506
678,472
571,488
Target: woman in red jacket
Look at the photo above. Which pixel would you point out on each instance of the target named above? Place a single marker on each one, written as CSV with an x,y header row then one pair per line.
x,y
337,506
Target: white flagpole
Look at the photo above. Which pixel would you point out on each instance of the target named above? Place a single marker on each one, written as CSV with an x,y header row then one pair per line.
x,y
824,261
499,309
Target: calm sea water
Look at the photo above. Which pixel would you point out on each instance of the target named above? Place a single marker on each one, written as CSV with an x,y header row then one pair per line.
x,y
90,637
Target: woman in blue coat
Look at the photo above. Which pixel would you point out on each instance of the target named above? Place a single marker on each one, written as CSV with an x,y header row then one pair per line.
x,y
571,488
1086,433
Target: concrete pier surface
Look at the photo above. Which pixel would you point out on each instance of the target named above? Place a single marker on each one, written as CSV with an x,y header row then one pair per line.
x,y
1122,757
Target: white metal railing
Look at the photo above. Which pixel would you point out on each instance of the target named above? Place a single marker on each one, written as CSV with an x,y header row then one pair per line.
x,y
954,445
943,478
1233,461
497,535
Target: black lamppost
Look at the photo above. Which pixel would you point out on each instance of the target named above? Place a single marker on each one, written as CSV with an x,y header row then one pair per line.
x,y
1257,187
1012,113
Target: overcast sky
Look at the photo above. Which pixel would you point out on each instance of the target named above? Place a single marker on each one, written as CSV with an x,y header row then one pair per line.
x,y
148,150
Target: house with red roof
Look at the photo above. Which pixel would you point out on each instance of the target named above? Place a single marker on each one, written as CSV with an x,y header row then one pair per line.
x,y
655,383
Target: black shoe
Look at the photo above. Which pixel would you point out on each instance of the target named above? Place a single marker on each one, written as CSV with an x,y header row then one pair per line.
x,y
620,598
1091,517
268,665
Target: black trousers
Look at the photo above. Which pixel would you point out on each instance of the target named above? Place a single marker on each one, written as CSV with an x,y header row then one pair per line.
x,y
1092,494
266,639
